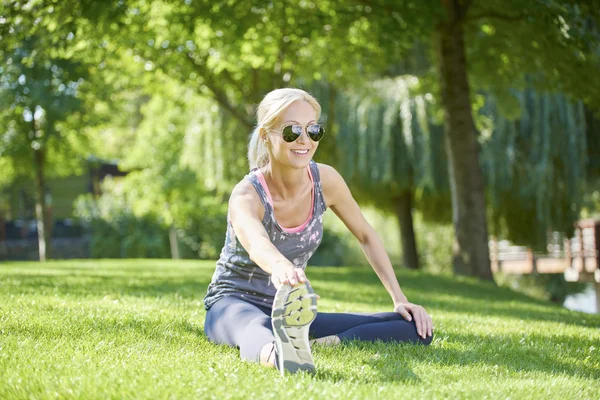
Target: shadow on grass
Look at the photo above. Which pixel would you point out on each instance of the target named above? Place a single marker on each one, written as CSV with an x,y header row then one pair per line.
x,y
472,296
393,362
189,287
375,362
149,279
532,354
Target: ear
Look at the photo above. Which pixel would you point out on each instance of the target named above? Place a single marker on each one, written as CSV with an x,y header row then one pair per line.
x,y
263,134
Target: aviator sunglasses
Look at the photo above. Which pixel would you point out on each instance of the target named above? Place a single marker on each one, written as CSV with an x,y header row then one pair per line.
x,y
292,132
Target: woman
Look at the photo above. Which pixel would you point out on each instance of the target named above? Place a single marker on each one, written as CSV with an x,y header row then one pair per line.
x,y
260,299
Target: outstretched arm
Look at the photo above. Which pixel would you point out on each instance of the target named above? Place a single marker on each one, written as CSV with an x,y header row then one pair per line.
x,y
340,200
245,214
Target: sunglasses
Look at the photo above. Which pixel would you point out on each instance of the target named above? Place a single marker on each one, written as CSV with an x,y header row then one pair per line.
x,y
291,133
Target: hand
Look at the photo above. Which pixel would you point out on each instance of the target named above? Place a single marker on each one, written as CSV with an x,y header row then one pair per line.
x,y
287,275
423,321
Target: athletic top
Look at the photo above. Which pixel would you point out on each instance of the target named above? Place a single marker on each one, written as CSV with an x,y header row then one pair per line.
x,y
237,275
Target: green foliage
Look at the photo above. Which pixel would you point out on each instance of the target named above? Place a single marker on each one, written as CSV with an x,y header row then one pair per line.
x,y
335,250
117,233
534,166
177,82
389,141
112,327
124,225
38,96
549,45
435,242
591,202
552,287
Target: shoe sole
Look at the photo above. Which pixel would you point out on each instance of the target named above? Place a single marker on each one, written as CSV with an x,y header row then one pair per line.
x,y
294,309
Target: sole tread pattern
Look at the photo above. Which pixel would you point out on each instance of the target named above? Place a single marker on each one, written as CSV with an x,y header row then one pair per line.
x,y
294,309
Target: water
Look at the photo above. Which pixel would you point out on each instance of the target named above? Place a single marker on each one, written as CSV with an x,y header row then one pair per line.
x,y
585,301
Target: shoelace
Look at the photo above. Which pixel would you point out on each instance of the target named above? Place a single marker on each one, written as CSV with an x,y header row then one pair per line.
x,y
274,354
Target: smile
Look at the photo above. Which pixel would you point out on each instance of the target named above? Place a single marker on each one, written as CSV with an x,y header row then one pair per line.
x,y
301,152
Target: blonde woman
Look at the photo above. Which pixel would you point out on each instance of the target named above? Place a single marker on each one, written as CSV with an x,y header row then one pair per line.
x,y
259,299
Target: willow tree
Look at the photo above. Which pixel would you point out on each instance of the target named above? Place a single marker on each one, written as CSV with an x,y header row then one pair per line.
x,y
535,165
386,145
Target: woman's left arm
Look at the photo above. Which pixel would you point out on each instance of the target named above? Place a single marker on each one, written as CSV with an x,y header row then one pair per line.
x,y
339,199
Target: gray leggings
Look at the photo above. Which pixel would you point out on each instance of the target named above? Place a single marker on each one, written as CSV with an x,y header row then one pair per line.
x,y
239,323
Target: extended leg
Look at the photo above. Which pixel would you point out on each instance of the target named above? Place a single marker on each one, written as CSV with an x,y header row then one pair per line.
x,y
238,323
387,326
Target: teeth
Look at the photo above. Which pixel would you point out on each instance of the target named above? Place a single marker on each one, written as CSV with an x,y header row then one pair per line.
x,y
300,151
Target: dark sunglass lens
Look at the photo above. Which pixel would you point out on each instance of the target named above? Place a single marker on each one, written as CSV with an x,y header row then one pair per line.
x,y
315,132
288,133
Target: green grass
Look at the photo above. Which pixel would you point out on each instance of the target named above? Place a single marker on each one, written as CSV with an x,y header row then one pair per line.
x,y
134,329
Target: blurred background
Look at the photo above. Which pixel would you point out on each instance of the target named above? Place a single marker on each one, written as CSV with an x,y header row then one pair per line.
x,y
469,131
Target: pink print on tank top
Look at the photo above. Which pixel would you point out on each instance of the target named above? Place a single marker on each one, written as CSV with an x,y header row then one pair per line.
x,y
297,229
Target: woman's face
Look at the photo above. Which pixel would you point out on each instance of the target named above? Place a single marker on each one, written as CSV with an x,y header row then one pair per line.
x,y
298,153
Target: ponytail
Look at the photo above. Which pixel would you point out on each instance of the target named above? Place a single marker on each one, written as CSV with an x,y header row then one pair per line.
x,y
258,155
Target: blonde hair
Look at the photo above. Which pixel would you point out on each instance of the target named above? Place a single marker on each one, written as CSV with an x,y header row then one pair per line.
x,y
270,108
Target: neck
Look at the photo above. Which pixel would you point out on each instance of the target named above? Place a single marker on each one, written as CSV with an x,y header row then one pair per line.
x,y
284,182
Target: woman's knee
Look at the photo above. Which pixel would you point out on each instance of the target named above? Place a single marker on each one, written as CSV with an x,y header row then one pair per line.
x,y
428,339
255,336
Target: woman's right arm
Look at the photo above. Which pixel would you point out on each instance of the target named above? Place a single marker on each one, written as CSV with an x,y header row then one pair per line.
x,y
245,209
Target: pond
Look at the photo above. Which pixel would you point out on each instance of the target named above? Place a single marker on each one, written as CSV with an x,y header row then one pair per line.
x,y
585,301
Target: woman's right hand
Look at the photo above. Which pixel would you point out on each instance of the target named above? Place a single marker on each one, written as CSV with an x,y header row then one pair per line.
x,y
287,274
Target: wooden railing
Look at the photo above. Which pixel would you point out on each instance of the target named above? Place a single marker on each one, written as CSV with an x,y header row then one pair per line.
x,y
578,258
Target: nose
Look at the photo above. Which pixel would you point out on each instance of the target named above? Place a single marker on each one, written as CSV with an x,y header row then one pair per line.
x,y
303,136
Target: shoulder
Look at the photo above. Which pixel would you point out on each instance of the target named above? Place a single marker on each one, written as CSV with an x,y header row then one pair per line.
x,y
244,196
329,175
333,184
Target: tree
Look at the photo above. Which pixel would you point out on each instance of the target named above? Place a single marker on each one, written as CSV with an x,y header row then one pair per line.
x,y
38,95
535,165
471,251
44,101
386,137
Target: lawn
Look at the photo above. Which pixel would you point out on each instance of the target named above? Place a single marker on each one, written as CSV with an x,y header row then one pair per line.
x,y
134,329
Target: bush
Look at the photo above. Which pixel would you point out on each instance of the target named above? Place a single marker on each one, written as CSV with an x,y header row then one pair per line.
x,y
117,233
119,230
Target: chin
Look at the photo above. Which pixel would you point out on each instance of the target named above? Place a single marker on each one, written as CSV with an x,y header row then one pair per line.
x,y
300,163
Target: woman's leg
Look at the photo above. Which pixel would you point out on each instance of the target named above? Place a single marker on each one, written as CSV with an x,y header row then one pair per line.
x,y
236,322
387,326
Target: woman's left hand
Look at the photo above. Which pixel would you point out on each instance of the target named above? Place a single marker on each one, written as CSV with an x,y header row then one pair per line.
x,y
423,321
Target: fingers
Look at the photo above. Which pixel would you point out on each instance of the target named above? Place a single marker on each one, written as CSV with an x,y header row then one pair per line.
x,y
292,276
429,326
427,323
301,275
404,312
423,322
418,322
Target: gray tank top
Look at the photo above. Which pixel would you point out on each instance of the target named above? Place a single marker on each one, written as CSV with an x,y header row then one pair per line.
x,y
237,275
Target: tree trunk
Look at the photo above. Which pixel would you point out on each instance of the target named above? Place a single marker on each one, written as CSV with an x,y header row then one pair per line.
x,y
173,243
41,209
470,250
407,231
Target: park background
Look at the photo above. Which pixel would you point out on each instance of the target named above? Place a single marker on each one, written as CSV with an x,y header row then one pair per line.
x,y
461,126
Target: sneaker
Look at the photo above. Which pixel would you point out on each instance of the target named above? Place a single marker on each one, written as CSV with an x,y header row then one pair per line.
x,y
326,341
294,309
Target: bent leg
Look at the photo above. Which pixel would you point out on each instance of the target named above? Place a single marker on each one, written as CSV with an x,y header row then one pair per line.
x,y
236,322
387,326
